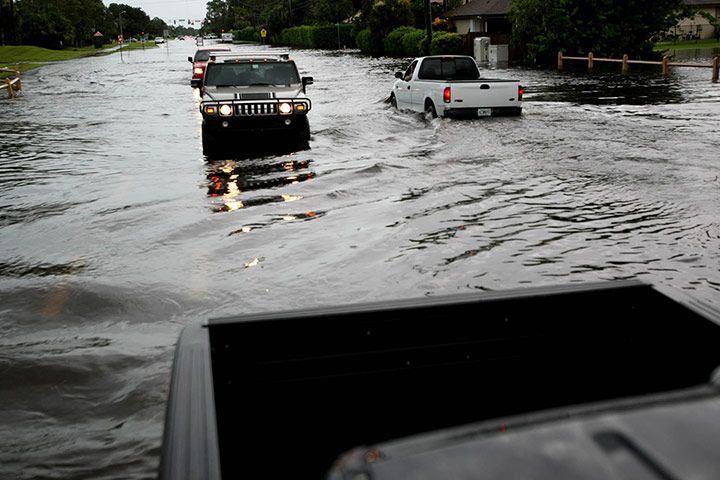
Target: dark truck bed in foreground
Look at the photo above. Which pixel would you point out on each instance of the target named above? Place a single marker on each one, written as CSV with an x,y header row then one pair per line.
x,y
283,395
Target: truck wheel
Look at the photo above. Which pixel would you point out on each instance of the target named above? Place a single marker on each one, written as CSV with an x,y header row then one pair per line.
x,y
393,101
301,141
304,134
209,142
430,110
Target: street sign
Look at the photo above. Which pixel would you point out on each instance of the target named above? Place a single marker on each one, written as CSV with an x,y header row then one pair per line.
x,y
263,33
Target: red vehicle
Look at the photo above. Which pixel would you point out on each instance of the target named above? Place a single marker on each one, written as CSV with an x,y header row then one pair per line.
x,y
202,55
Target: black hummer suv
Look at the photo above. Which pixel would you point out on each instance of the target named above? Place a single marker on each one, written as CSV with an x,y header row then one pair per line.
x,y
245,96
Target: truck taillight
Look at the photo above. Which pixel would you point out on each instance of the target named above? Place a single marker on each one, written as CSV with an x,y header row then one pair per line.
x,y
520,93
447,96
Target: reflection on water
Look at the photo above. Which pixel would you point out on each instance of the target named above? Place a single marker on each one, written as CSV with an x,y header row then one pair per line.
x,y
22,268
701,55
605,85
231,180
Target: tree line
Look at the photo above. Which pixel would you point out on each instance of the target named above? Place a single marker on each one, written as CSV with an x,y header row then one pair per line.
x,y
71,23
278,15
540,28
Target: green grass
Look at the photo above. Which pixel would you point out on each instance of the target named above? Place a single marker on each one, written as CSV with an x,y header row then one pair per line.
x,y
28,57
23,54
688,44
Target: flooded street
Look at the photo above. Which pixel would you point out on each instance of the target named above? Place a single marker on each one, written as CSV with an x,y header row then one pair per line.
x,y
116,232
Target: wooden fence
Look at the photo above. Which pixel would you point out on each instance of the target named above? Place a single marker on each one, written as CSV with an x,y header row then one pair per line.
x,y
11,84
666,63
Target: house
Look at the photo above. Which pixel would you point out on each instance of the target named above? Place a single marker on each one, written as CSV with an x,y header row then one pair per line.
x,y
699,26
481,16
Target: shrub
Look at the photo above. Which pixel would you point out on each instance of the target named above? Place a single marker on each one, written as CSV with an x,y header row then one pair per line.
x,y
393,42
440,24
411,42
363,41
447,44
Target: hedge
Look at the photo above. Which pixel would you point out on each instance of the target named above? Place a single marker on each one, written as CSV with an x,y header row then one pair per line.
x,y
402,42
325,37
248,34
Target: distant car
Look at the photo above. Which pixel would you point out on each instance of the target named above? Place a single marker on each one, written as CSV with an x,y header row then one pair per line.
x,y
202,55
159,40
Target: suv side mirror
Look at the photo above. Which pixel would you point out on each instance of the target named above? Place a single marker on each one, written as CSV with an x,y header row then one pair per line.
x,y
190,59
398,74
307,81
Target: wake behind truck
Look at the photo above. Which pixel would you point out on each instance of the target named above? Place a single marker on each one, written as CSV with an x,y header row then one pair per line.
x,y
248,95
451,86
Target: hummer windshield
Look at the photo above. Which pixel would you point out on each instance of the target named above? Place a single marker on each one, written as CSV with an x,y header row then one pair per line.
x,y
251,73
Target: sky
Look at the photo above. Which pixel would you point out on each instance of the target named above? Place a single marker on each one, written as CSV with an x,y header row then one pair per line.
x,y
169,10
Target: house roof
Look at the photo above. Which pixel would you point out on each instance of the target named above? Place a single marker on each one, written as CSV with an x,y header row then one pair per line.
x,y
480,8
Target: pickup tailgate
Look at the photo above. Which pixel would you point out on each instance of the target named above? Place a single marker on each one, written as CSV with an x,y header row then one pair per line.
x,y
479,98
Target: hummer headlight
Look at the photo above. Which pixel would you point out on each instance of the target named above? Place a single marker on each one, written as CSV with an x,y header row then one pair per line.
x,y
225,110
198,70
211,110
286,108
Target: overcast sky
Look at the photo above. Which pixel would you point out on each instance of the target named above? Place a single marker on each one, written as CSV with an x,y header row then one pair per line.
x,y
169,10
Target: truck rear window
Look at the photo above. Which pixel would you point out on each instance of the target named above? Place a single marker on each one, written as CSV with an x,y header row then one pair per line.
x,y
448,69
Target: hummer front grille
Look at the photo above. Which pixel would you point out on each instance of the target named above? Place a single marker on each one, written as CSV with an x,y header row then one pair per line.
x,y
256,109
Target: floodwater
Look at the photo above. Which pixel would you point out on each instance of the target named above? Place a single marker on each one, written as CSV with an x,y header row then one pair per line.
x,y
116,232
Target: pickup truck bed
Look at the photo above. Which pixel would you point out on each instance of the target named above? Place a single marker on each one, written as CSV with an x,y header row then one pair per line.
x,y
283,394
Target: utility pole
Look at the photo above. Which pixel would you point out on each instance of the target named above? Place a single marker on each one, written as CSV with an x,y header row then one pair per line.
x,y
428,23
122,39
290,11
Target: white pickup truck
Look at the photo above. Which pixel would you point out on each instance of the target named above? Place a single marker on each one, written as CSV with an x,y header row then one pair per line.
x,y
450,86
